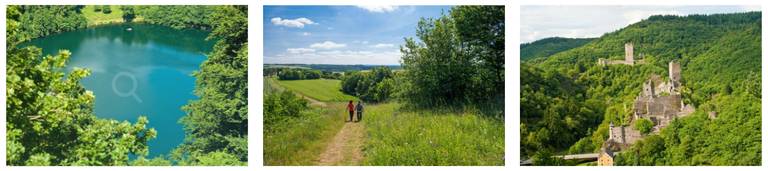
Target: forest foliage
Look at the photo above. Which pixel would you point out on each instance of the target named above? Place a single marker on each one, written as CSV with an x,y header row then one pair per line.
x,y
460,57
374,86
569,100
546,47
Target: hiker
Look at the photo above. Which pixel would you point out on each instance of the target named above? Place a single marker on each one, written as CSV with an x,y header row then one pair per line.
x,y
351,110
359,108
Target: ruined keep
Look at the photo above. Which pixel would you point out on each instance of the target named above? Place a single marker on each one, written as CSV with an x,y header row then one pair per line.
x,y
628,52
674,73
629,57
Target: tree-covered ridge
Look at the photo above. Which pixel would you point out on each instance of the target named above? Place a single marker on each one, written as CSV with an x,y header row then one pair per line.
x,y
720,58
549,46
42,20
49,120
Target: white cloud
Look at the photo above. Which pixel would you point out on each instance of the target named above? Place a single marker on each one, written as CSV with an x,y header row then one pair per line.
x,y
305,33
382,45
571,21
378,8
338,57
638,15
751,7
335,52
327,45
299,50
330,28
356,41
292,23
365,42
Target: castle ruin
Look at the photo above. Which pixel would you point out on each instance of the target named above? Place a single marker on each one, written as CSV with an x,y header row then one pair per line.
x,y
629,57
651,104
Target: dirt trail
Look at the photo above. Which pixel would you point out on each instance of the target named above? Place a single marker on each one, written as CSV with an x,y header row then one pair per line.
x,y
311,100
346,148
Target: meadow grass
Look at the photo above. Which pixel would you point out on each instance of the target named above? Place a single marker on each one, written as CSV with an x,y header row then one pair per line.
x,y
449,136
306,138
98,18
269,85
327,90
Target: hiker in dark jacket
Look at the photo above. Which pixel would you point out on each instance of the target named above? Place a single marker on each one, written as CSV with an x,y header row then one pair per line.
x,y
359,109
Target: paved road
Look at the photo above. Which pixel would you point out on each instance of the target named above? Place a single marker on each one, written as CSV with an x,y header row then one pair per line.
x,y
568,157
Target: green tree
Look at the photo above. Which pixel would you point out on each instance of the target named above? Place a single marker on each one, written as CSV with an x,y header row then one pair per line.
x,y
49,119
106,9
480,29
128,12
384,90
218,122
644,125
97,8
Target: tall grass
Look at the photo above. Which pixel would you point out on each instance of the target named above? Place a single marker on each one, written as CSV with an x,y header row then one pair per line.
x,y
452,136
269,85
326,90
305,138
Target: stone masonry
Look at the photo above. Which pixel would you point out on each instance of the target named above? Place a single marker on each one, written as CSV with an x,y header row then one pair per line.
x,y
650,104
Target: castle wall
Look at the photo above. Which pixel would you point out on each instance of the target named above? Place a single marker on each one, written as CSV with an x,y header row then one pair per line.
x,y
631,135
648,88
687,110
617,134
674,99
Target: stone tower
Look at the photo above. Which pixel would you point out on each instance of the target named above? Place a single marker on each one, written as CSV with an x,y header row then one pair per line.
x,y
674,74
648,88
628,52
610,131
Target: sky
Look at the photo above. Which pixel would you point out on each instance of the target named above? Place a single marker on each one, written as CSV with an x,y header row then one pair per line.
x,y
368,35
538,22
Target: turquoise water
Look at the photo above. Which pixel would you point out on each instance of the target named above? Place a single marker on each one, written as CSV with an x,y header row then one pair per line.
x,y
160,59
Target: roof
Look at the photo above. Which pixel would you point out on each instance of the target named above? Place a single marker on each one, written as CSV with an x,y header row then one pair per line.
x,y
607,150
611,125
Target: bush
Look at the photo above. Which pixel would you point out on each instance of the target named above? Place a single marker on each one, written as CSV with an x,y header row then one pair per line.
x,y
106,9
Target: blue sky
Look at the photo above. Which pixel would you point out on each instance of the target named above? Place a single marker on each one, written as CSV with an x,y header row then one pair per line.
x,y
538,22
340,34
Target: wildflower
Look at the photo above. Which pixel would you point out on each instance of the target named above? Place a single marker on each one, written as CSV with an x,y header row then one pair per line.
x,y
467,140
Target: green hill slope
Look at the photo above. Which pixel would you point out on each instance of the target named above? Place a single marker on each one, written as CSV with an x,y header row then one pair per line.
x,y
549,46
326,90
569,100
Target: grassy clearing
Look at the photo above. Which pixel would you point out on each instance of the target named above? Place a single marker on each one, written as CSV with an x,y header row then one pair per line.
x,y
326,90
99,18
269,85
444,136
302,143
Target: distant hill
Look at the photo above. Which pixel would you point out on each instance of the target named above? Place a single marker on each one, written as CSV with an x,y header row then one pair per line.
x,y
329,67
550,46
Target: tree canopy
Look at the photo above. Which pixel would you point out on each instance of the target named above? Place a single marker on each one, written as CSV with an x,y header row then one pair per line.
x,y
460,57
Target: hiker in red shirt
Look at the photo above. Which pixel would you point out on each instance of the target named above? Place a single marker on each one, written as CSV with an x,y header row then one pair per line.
x,y
351,110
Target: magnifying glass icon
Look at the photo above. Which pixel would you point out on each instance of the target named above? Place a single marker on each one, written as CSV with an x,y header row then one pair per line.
x,y
130,93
